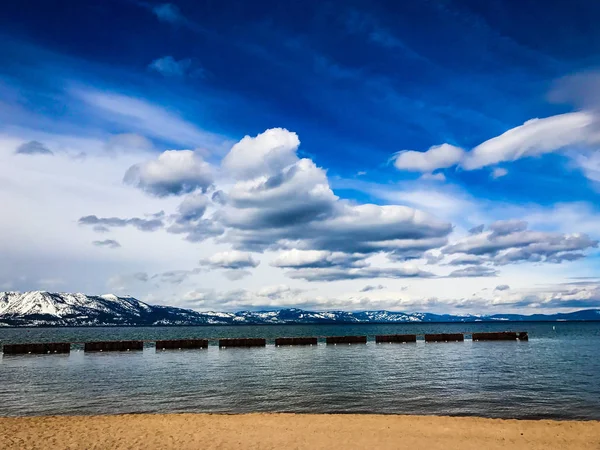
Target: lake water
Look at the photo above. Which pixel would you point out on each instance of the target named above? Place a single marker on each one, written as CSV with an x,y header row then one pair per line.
x,y
556,374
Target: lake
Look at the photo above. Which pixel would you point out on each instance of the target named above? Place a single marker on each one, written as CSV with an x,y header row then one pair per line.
x,y
556,374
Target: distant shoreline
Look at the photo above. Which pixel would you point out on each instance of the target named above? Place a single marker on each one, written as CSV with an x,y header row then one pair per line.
x,y
301,431
236,325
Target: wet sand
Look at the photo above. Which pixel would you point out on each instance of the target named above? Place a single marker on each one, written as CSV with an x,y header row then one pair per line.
x,y
292,431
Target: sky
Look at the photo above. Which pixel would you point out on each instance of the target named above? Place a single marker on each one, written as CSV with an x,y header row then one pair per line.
x,y
425,155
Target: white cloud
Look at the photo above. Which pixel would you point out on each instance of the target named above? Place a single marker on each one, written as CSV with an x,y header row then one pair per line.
x,y
297,259
174,172
499,172
266,154
535,137
576,133
437,157
231,260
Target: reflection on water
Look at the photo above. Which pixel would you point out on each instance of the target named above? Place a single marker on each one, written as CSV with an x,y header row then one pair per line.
x,y
555,375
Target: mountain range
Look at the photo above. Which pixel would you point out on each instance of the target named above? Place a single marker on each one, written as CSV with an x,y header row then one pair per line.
x,y
39,308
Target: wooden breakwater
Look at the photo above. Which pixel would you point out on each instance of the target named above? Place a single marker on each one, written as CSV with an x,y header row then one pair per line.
x,y
445,337
41,348
296,341
108,346
346,340
113,346
396,338
180,344
243,342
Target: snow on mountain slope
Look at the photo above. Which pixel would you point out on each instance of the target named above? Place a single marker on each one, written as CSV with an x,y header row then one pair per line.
x,y
38,308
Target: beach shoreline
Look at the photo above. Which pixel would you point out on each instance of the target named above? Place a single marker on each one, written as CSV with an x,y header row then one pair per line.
x,y
299,431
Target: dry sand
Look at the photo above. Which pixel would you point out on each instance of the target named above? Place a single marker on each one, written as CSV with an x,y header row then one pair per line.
x,y
290,431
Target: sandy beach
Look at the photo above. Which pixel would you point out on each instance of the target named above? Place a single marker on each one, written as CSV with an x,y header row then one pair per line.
x,y
278,431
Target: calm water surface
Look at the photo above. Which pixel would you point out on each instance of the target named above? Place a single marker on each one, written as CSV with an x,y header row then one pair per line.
x,y
554,375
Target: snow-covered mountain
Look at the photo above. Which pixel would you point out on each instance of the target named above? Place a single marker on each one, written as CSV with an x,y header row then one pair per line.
x,y
38,308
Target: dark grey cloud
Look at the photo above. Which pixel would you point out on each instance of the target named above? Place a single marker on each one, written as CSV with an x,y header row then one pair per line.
x,y
370,287
33,148
506,227
116,222
474,271
336,274
476,230
198,230
108,243
502,287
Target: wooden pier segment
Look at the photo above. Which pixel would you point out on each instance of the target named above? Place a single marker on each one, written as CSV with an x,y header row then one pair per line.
x,y
296,341
180,344
498,336
346,340
396,338
37,348
113,346
445,337
243,342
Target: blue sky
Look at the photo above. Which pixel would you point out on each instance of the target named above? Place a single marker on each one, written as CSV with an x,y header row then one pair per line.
x,y
417,106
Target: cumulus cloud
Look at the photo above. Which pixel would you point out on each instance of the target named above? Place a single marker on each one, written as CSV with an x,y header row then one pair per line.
x,y
437,157
108,243
264,155
101,224
232,260
510,241
303,259
33,148
282,201
558,296
174,172
502,287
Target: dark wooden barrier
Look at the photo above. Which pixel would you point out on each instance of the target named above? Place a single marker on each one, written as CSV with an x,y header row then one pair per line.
x,y
113,346
242,342
49,347
397,338
443,337
346,340
296,341
179,344
523,336
500,336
